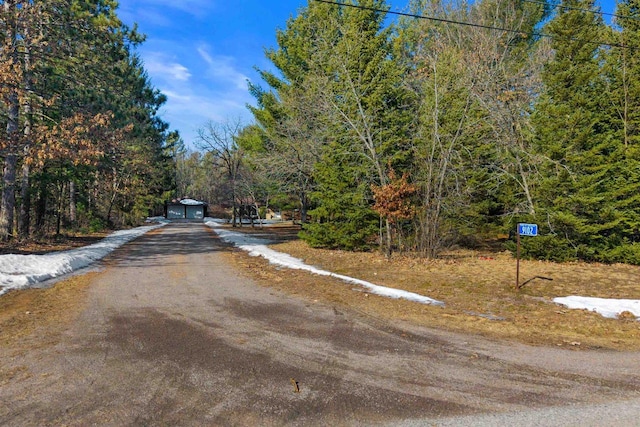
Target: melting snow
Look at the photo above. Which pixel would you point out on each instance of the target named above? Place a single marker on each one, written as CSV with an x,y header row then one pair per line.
x,y
22,271
258,247
607,307
190,202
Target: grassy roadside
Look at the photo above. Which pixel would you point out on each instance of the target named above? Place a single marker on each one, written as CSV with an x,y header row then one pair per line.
x,y
42,312
477,287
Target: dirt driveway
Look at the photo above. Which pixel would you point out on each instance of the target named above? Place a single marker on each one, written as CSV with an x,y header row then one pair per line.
x,y
171,335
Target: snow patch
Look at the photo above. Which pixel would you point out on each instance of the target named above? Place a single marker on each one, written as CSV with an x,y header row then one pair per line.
x,y
191,202
607,307
258,247
23,271
157,220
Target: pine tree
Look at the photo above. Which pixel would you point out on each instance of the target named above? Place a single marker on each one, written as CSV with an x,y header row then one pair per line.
x,y
620,174
69,55
571,134
369,120
290,113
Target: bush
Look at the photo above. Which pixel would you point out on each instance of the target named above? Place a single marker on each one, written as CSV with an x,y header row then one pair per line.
x,y
555,248
96,225
549,248
354,233
627,253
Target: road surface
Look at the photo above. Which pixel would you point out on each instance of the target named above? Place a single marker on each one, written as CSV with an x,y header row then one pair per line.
x,y
171,335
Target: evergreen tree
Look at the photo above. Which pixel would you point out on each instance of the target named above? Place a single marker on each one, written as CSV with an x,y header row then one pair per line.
x,y
369,120
619,175
343,217
85,114
571,134
290,114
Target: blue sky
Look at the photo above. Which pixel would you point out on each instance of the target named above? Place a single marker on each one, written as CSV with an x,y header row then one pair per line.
x,y
200,53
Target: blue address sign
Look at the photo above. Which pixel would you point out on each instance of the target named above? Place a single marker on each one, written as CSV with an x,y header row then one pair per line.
x,y
528,229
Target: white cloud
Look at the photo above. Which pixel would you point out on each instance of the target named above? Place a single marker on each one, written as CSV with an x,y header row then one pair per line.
x,y
222,68
162,68
189,108
205,55
176,96
199,68
200,86
151,17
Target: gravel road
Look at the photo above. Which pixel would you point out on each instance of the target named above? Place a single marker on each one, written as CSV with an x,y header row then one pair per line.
x,y
172,336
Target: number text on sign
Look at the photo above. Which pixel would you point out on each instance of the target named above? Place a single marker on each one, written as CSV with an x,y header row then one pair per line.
x,y
528,229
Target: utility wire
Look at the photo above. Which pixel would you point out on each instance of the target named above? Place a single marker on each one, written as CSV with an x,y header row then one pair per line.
x,y
430,18
597,12
468,24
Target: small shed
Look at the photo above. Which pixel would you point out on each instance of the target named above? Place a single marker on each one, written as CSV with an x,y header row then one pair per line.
x,y
185,209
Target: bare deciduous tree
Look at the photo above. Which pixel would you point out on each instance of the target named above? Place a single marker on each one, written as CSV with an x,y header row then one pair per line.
x,y
219,139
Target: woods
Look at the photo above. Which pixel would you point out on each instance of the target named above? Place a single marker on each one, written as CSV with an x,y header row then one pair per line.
x,y
466,118
446,124
82,146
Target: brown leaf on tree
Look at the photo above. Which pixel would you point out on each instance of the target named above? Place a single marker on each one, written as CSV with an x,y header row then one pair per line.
x,y
80,139
393,200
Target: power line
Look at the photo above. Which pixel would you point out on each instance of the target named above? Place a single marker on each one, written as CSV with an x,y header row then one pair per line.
x,y
597,12
468,24
430,18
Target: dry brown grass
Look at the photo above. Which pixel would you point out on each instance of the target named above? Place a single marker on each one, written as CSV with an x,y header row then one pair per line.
x,y
37,318
30,311
477,287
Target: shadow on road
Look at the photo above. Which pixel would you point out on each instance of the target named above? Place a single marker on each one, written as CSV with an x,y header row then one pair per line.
x,y
158,246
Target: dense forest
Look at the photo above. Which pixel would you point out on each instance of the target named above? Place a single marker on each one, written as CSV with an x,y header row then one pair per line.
x,y
446,124
81,145
449,124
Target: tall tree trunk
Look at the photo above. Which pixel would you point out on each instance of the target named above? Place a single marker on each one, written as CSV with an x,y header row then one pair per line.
x,y
25,206
112,201
387,235
24,219
304,208
7,205
72,202
59,205
237,213
8,197
41,206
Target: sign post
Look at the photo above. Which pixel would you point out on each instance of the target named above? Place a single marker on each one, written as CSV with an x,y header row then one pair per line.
x,y
523,230
518,258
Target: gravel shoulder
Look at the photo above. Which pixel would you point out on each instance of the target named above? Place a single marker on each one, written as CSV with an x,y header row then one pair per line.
x,y
168,333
